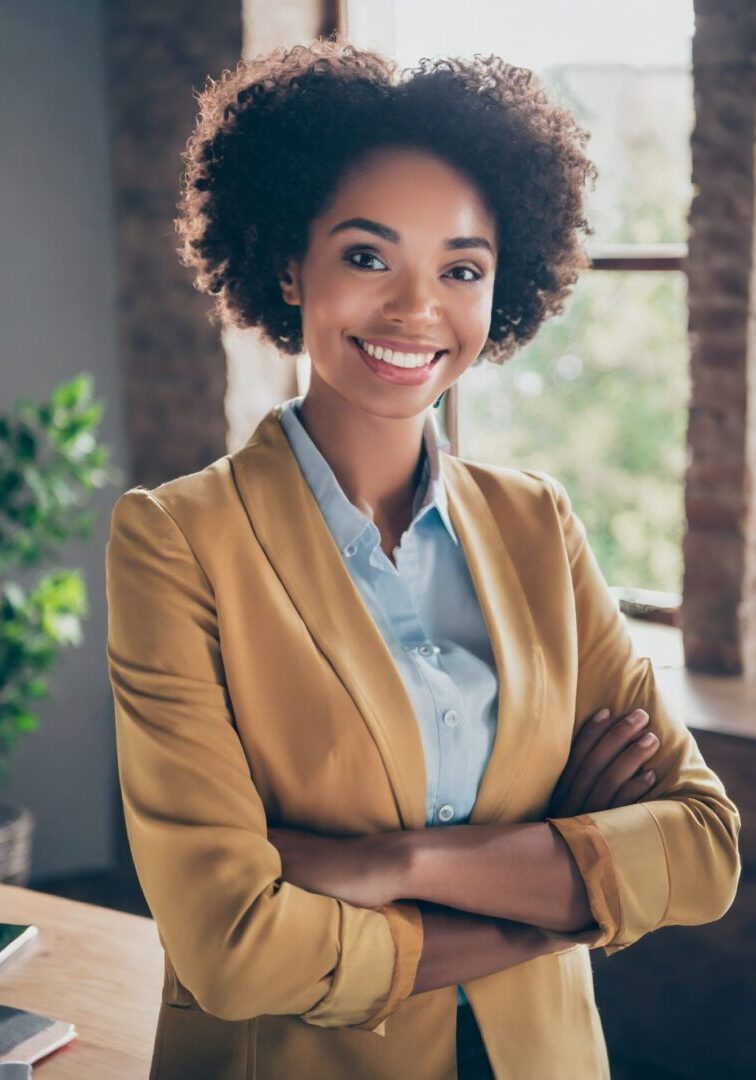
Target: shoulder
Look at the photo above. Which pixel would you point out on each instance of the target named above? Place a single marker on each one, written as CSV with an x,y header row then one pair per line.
x,y
532,508
524,490
205,496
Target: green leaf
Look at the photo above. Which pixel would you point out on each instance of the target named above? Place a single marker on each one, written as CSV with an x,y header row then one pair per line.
x,y
14,595
26,444
26,721
9,482
76,391
62,590
92,415
64,628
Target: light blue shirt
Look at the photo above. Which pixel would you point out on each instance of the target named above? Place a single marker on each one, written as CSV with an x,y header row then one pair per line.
x,y
428,613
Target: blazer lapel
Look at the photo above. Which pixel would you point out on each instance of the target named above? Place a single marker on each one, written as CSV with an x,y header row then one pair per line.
x,y
287,521
519,657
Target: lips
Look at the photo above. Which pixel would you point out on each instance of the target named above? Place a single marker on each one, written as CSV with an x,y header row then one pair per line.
x,y
391,373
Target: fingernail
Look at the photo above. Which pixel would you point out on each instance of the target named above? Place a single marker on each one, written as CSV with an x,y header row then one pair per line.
x,y
648,739
648,775
602,715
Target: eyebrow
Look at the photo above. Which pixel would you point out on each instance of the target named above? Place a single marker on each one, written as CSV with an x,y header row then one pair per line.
x,y
387,233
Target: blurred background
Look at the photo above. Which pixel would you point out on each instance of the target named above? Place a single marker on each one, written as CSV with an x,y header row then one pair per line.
x,y
640,397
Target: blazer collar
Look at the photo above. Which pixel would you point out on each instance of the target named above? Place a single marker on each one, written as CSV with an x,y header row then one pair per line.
x,y
290,527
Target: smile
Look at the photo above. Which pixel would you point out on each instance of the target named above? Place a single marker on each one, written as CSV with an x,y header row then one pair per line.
x,y
396,369
395,358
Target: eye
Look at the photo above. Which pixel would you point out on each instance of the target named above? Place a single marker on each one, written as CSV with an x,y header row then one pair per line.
x,y
359,251
476,276
369,253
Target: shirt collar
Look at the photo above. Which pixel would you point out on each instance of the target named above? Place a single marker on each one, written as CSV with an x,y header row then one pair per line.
x,y
345,521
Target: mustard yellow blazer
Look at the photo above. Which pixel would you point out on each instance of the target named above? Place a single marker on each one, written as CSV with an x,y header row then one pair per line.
x,y
251,685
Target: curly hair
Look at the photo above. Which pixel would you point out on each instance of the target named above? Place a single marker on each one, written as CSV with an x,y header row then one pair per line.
x,y
275,137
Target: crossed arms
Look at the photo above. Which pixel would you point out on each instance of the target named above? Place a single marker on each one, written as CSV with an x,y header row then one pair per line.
x,y
507,884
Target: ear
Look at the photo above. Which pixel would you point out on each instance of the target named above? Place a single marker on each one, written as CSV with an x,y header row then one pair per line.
x,y
289,281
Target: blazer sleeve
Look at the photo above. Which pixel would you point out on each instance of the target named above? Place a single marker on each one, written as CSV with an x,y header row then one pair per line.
x,y
672,858
243,941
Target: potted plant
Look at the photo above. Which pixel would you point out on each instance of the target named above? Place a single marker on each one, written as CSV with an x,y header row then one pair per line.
x,y
50,463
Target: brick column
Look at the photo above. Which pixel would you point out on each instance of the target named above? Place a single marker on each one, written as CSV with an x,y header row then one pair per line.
x,y
173,361
719,586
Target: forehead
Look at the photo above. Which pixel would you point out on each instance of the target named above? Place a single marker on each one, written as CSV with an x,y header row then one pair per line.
x,y
412,191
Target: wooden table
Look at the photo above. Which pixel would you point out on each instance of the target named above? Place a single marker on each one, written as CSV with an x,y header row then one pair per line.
x,y
101,970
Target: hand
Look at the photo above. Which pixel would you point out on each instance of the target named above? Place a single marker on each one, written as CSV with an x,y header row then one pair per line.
x,y
357,869
606,766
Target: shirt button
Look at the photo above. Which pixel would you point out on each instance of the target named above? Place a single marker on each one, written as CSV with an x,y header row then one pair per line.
x,y
425,650
349,550
451,717
446,813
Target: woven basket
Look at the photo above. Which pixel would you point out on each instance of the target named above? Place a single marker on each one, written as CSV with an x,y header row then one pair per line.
x,y
16,828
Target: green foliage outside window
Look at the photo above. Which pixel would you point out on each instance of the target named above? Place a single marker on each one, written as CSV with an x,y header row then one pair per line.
x,y
599,398
599,401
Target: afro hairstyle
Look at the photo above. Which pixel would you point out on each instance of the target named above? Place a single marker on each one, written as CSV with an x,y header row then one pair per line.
x,y
275,137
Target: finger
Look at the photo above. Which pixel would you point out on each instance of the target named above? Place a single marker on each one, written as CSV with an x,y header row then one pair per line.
x,y
613,741
634,789
589,734
625,766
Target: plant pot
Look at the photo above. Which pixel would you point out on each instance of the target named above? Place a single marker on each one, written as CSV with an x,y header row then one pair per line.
x,y
16,828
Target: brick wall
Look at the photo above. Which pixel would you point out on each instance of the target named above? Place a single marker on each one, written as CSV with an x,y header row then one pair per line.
x,y
172,360
719,586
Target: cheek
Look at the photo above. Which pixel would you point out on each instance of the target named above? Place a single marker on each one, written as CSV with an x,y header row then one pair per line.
x,y
336,306
471,316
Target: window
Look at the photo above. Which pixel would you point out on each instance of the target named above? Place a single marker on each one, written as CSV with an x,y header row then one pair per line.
x,y
599,398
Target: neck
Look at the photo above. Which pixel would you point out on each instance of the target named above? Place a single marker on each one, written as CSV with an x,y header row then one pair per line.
x,y
377,460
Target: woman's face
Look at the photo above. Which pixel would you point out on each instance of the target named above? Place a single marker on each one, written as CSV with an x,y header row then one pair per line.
x,y
416,273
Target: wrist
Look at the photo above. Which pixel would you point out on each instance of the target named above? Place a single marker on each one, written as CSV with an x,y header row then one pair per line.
x,y
395,853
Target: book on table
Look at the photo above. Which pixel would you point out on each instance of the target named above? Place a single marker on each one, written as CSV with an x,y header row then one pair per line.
x,y
25,1036
13,936
28,1036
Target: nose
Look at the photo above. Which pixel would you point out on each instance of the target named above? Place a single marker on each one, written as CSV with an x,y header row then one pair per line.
x,y
412,299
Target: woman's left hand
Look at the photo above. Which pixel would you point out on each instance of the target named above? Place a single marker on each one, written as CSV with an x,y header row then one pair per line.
x,y
357,869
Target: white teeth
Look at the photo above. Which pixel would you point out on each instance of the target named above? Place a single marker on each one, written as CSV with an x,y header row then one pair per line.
x,y
397,359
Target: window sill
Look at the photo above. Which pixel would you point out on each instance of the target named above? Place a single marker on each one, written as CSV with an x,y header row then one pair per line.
x,y
722,703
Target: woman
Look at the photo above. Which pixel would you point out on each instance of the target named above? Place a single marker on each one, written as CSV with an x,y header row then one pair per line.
x,y
352,673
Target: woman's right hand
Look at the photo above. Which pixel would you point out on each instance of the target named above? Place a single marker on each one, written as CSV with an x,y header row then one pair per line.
x,y
606,766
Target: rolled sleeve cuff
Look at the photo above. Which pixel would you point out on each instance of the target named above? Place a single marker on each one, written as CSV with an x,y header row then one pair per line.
x,y
596,866
406,925
381,951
